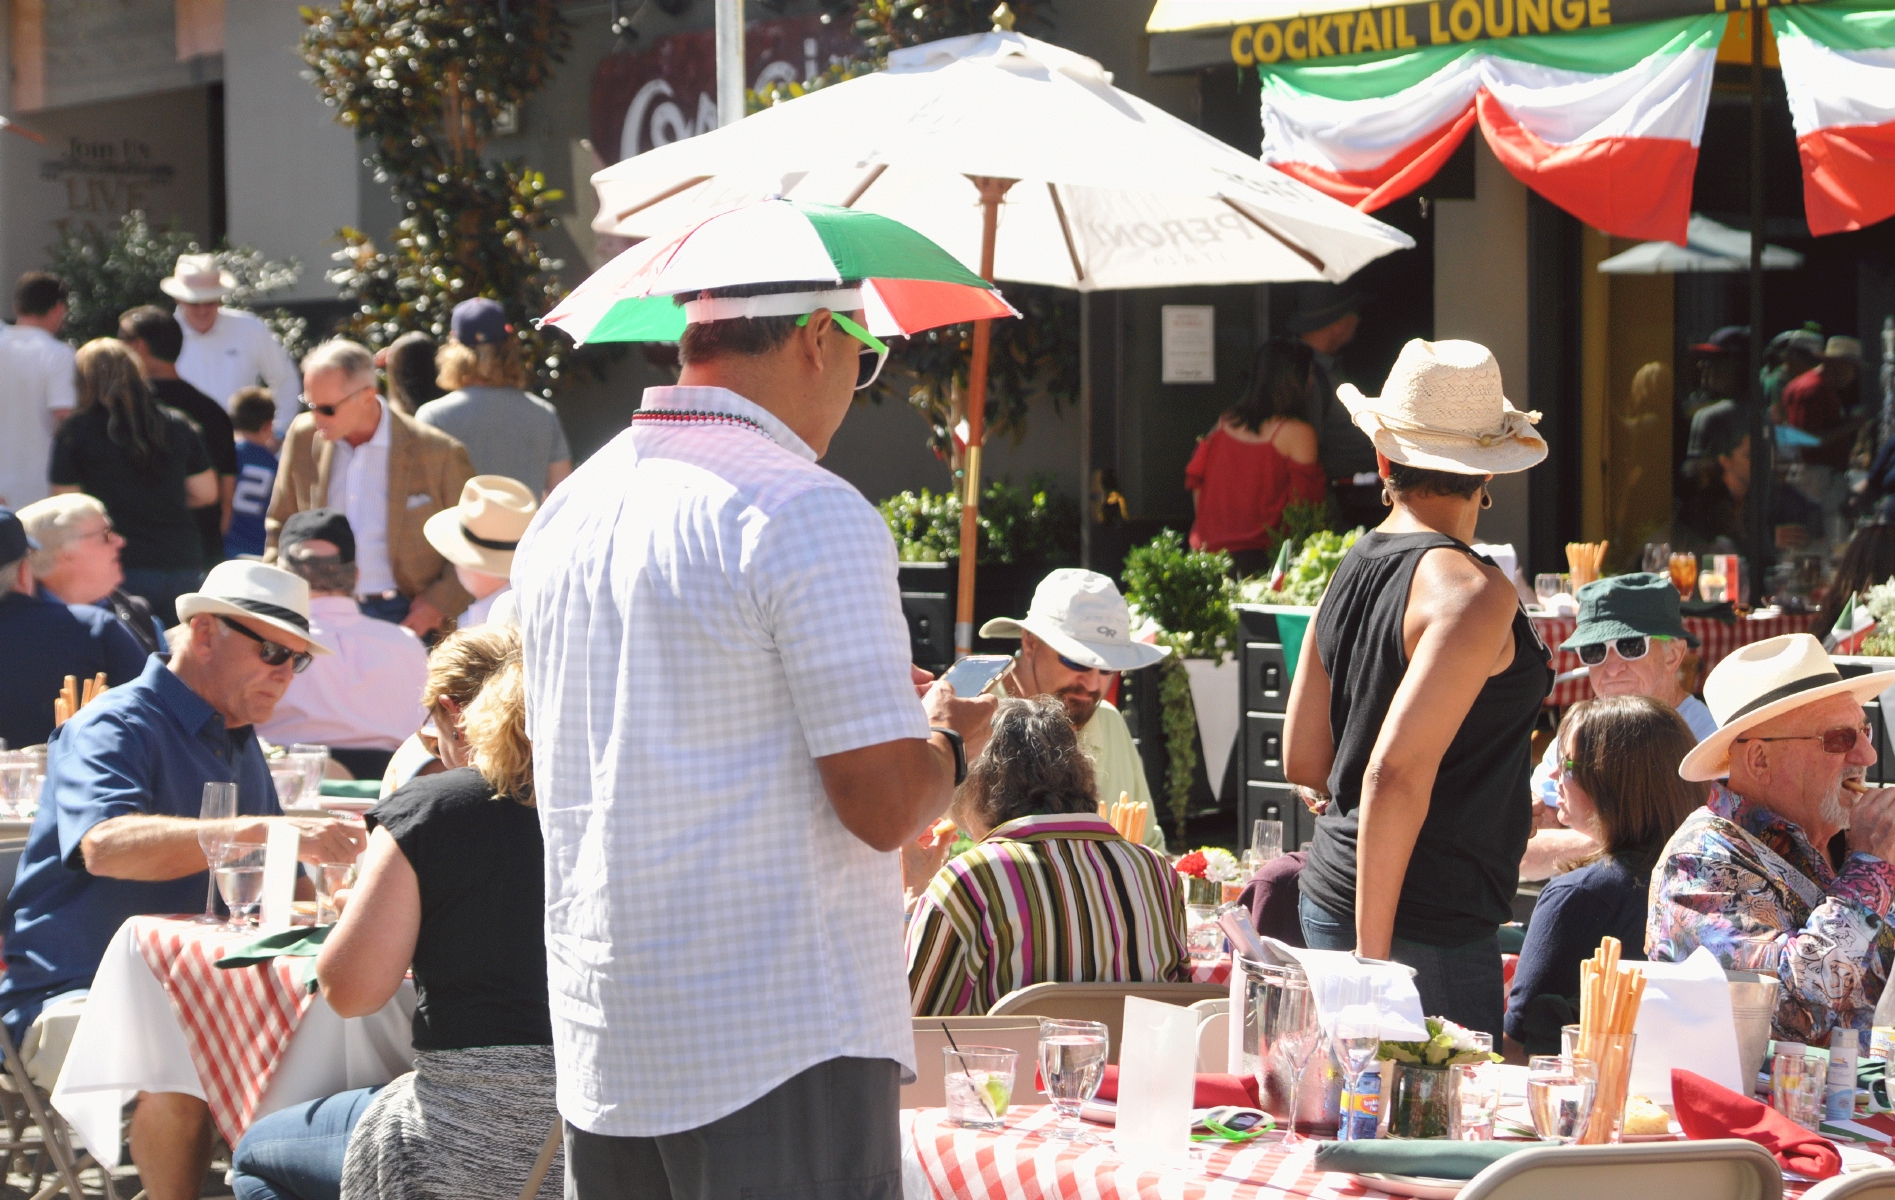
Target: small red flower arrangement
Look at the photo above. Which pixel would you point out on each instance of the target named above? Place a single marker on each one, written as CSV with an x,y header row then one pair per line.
x,y
1193,864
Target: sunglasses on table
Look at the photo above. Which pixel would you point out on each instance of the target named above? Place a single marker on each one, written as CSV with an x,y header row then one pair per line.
x,y
272,654
1840,740
868,368
1631,649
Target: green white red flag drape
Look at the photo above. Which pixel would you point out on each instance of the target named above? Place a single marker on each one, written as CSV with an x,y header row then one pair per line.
x,y
1603,122
1839,69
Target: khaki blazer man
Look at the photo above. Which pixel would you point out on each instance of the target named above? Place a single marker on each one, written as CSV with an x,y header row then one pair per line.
x,y
426,471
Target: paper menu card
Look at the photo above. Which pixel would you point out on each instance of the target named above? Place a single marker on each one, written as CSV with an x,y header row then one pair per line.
x,y
279,876
1157,1082
1685,1021
1335,976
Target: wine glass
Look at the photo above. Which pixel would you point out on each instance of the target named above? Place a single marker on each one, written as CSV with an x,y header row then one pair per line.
x,y
315,760
239,876
1560,1093
1657,558
1072,1064
1266,843
1298,1034
219,805
1546,586
1357,1038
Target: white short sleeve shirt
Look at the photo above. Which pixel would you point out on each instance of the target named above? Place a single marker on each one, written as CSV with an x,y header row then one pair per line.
x,y
705,613
38,375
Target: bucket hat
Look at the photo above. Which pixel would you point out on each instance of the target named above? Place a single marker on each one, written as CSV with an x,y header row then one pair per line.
x,y
1442,410
1765,680
197,279
244,588
1637,605
1081,615
484,529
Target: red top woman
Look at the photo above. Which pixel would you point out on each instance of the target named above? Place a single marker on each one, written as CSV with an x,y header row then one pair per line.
x,y
1259,458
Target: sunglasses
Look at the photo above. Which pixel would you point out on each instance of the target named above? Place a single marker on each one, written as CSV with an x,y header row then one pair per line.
x,y
272,654
868,369
1082,668
1840,740
329,410
1631,649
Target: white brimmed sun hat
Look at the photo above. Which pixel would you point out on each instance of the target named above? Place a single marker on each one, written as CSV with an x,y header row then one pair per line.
x,y
246,588
1442,410
1081,615
197,279
483,530
1763,680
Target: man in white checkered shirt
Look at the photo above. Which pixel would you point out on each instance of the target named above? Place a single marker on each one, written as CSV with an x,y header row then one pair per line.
x,y
728,747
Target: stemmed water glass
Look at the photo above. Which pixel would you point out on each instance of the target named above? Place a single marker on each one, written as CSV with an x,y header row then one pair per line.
x,y
219,805
1357,1038
1298,1035
1072,1065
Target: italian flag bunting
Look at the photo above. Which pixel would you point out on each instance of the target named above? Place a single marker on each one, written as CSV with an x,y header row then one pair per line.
x,y
1839,69
1603,122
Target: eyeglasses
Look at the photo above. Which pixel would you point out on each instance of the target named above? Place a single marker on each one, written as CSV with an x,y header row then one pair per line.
x,y
1631,649
272,654
867,370
1082,668
1840,740
329,410
104,533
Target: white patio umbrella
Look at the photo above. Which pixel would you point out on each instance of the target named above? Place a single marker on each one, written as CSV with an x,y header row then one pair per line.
x,y
1079,185
1709,246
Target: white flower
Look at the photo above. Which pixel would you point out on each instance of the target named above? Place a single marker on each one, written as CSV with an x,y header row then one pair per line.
x,y
1220,866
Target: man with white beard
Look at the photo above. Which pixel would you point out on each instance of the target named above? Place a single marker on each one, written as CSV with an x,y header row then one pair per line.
x,y
1790,866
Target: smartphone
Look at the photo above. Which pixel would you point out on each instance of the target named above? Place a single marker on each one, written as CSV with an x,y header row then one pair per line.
x,y
971,675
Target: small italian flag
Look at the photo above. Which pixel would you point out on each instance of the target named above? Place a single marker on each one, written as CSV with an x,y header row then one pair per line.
x,y
1839,70
1282,569
1853,626
1603,122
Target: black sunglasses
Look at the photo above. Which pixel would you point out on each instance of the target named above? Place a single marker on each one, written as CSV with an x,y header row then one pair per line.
x,y
1631,649
329,410
272,654
1082,668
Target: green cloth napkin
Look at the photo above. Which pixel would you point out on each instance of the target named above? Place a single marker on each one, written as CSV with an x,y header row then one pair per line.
x,y
1436,1159
300,942
352,789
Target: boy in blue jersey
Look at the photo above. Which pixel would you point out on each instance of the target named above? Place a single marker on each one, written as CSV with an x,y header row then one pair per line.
x,y
252,413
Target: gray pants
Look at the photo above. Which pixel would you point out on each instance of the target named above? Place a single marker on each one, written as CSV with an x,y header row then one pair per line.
x,y
832,1131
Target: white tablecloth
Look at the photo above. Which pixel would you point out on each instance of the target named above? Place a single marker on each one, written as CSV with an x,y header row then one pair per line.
x,y
128,1041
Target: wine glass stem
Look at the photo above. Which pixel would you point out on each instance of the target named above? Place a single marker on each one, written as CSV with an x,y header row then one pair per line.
x,y
210,896
1296,1080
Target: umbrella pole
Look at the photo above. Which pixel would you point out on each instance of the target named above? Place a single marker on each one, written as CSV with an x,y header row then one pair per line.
x,y
1757,527
991,191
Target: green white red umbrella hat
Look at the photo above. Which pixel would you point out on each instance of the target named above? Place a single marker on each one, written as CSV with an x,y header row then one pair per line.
x,y
907,283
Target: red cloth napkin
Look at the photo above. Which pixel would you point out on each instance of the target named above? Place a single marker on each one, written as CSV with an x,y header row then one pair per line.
x,y
1212,1091
1706,1110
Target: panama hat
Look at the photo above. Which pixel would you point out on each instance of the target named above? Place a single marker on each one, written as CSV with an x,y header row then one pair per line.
x,y
244,588
1081,615
1442,410
1765,680
197,279
484,529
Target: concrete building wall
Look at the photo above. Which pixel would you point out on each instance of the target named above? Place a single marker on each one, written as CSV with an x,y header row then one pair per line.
x,y
1480,294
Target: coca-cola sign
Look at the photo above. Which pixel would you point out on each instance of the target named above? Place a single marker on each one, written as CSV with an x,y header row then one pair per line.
x,y
658,96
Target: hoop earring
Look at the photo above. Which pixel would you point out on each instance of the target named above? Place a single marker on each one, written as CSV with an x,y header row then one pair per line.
x,y
1486,498
1388,501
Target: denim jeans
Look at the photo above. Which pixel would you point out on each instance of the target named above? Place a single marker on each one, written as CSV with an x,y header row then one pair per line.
x,y
1462,983
393,609
296,1153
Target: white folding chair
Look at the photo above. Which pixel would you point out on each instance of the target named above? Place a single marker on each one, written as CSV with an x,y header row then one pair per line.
x,y
28,1109
1101,1002
1019,1034
1861,1185
1728,1169
1213,1035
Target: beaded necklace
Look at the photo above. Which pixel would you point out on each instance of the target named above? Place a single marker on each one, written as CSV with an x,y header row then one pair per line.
x,y
691,416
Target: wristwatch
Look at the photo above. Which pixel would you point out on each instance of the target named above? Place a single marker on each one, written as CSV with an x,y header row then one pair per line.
x,y
960,751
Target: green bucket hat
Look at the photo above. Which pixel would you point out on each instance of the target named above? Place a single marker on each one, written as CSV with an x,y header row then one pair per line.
x,y
1628,606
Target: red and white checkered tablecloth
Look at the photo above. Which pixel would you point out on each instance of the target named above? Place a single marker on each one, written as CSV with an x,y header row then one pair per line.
x,y
1211,972
238,1022
1715,637
1020,1161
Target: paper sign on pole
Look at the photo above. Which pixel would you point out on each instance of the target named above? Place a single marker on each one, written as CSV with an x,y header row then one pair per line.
x,y
279,876
1187,341
1157,1083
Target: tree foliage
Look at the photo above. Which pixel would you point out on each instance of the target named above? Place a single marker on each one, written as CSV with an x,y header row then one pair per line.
x,y
1034,524
424,83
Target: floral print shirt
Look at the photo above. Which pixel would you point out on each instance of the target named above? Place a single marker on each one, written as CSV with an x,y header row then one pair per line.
x,y
1747,885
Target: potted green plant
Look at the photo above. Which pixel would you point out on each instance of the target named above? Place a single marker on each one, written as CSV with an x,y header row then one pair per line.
x,y
1415,1083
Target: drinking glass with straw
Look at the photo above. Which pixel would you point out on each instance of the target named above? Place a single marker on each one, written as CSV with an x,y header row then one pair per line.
x,y
1609,996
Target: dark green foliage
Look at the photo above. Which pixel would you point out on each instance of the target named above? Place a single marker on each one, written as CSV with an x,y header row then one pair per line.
x,y
424,82
1017,525
1300,519
1187,592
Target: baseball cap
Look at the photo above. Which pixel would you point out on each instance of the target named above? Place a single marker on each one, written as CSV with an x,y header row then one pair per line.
x,y
480,322
14,542
319,525
1731,339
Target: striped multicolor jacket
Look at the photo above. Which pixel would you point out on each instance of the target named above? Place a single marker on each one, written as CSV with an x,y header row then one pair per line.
x,y
1058,898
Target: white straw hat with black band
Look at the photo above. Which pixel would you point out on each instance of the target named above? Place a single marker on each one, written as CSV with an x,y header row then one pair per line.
x,y
265,594
485,528
1764,680
1442,409
1081,615
197,279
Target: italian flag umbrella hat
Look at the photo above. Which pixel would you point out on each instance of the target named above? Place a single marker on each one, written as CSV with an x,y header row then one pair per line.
x,y
908,283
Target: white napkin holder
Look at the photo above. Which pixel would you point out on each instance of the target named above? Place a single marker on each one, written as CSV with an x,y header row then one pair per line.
x,y
1685,1021
279,877
1157,1083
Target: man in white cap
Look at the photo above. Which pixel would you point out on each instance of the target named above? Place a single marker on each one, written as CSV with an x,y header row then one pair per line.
x,y
117,830
1759,875
227,349
479,536
1074,641
719,687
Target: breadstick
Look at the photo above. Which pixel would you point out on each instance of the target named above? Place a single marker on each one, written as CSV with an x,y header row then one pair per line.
x,y
1855,785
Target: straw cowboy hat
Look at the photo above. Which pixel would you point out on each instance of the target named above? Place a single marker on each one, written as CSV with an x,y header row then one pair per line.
x,y
486,527
1764,680
1442,410
244,588
197,279
1081,615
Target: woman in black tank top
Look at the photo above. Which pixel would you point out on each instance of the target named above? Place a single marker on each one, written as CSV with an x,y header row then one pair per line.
x,y
1414,702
